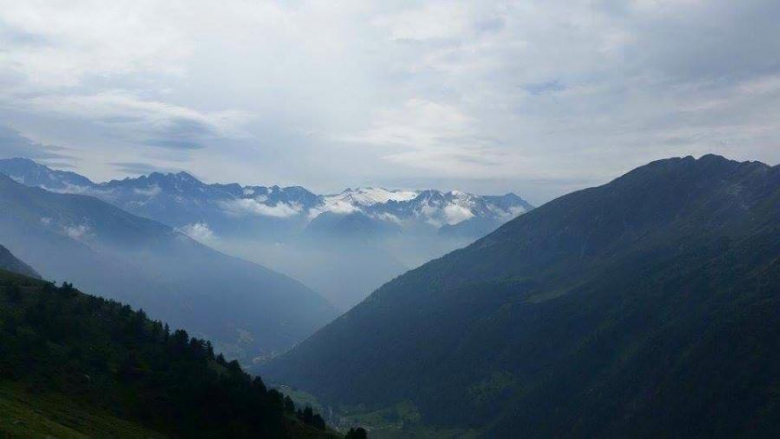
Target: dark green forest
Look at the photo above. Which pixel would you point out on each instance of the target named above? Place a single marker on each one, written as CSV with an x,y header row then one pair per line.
x,y
103,354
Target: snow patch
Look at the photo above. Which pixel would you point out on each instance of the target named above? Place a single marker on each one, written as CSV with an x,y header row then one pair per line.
x,y
371,196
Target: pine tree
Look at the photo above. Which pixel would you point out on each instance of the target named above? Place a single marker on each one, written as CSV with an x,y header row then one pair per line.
x,y
15,293
289,405
308,415
318,422
359,433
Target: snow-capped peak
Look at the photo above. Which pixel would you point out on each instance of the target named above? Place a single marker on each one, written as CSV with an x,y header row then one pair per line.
x,y
369,196
190,201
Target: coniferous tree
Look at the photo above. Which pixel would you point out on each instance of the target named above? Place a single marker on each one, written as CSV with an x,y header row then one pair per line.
x,y
103,353
357,433
318,422
289,405
308,415
14,293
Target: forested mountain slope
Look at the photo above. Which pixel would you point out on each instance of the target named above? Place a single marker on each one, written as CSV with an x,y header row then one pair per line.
x,y
72,364
646,307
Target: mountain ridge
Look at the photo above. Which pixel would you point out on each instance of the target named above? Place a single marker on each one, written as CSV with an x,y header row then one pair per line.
x,y
270,203
563,317
76,365
9,262
148,264
342,245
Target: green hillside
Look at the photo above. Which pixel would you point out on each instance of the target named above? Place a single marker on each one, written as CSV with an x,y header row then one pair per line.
x,y
647,307
73,365
28,414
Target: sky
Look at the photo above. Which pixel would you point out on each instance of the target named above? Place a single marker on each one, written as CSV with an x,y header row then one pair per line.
x,y
534,97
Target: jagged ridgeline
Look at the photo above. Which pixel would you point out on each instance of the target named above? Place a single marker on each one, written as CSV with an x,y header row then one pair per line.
x,y
74,365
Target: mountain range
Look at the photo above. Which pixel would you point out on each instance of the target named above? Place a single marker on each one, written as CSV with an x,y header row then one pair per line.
x,y
342,245
246,309
181,200
647,307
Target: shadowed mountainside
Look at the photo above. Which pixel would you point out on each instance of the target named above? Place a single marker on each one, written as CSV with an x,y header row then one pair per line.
x,y
646,307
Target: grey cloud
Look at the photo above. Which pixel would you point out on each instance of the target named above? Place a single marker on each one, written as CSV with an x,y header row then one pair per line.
x,y
15,36
492,24
715,41
174,143
13,144
140,168
508,96
182,133
544,87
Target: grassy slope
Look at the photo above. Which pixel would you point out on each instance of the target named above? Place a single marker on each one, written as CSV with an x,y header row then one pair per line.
x,y
25,414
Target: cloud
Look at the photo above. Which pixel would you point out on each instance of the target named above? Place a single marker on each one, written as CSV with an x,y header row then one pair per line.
x,y
78,232
499,96
13,145
242,207
148,192
199,232
544,87
455,213
139,168
144,121
334,204
430,135
437,21
54,45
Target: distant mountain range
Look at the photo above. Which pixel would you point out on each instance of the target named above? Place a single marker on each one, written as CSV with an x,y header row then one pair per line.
x,y
181,200
647,307
246,309
342,245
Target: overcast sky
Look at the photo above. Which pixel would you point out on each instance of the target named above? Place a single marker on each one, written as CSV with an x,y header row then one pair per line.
x,y
535,97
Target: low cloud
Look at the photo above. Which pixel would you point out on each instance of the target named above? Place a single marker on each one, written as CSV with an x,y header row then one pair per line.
x,y
139,168
335,205
151,191
244,207
78,232
199,232
455,213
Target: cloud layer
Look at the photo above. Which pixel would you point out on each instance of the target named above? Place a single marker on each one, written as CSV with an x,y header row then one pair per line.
x,y
536,97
